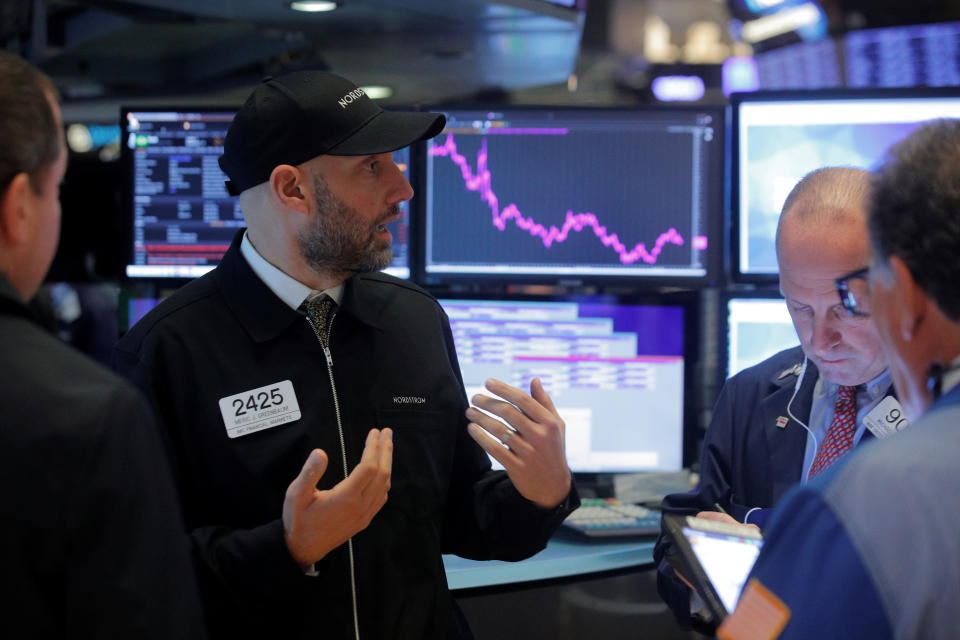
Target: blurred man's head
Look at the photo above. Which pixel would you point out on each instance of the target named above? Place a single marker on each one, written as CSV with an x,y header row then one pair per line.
x,y
33,160
821,236
915,274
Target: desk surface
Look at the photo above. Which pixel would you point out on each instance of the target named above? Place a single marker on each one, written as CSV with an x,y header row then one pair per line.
x,y
562,558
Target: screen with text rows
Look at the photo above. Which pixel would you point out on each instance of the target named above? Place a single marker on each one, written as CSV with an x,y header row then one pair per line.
x,y
182,218
615,372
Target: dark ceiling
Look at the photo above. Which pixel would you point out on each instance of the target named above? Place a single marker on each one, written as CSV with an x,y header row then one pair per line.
x,y
102,52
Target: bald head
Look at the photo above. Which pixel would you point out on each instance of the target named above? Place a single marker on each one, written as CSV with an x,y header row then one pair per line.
x,y
822,235
825,200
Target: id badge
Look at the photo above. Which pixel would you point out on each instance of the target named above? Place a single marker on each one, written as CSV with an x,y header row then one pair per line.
x,y
886,418
257,409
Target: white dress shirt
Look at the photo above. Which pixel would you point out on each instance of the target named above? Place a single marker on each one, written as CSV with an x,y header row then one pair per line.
x,y
293,292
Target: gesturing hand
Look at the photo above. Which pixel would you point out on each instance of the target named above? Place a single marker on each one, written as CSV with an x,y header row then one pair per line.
x,y
316,522
534,456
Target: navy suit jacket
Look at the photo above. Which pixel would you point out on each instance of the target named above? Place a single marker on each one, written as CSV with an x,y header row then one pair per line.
x,y
747,460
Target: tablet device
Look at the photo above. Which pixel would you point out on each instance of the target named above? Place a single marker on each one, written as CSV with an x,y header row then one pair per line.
x,y
715,557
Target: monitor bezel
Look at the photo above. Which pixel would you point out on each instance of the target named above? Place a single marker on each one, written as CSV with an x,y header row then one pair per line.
x,y
714,266
737,100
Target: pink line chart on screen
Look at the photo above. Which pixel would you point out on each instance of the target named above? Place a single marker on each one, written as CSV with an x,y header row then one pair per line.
x,y
480,181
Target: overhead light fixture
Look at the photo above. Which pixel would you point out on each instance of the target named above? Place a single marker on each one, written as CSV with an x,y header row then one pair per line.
x,y
807,15
678,88
377,92
762,5
79,139
313,6
740,73
82,138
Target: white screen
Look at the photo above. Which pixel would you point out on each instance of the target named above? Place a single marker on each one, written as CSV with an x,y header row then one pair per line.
x,y
779,142
726,559
757,329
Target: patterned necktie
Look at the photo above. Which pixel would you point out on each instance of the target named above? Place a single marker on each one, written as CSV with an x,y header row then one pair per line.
x,y
319,310
839,438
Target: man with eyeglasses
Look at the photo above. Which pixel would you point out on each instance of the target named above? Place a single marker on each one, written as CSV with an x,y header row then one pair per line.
x,y
869,549
794,415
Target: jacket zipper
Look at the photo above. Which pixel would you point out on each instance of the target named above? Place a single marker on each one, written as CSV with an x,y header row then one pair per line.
x,y
343,455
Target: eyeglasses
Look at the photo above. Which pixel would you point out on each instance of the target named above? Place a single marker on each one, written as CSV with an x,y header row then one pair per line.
x,y
854,292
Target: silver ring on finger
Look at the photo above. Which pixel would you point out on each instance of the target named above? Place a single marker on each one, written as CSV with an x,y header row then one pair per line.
x,y
506,436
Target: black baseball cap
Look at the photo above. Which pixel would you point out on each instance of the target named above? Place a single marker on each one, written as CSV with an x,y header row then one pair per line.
x,y
299,116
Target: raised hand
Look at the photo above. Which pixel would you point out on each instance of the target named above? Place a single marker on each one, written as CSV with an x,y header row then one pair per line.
x,y
531,448
316,522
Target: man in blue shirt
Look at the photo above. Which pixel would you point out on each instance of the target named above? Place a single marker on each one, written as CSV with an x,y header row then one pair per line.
x,y
869,549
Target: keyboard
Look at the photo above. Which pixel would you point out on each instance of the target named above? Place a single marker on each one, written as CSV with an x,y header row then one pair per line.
x,y
608,518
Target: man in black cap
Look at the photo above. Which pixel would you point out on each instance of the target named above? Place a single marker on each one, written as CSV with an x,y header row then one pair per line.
x,y
295,349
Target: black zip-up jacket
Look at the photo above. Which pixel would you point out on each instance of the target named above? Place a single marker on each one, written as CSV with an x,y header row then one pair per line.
x,y
90,534
394,365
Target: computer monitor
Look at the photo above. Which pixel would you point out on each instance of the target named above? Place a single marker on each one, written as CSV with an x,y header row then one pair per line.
x,y
758,326
804,65
569,195
181,218
780,137
614,370
903,56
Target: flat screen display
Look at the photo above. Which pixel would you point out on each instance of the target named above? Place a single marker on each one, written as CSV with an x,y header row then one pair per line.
x,y
918,55
726,558
779,138
181,218
574,194
757,328
614,371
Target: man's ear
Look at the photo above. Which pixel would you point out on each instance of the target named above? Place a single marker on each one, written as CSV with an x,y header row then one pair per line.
x,y
15,210
287,185
912,298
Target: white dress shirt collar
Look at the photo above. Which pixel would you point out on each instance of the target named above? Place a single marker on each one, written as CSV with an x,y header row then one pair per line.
x,y
291,291
874,389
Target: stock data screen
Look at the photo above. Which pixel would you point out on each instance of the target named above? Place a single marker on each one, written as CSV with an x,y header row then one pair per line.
x,y
573,193
614,372
183,218
922,55
805,65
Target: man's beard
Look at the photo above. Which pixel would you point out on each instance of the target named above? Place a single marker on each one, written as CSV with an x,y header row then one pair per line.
x,y
337,241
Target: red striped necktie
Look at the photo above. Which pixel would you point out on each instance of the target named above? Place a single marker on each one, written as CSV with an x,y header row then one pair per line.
x,y
839,438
